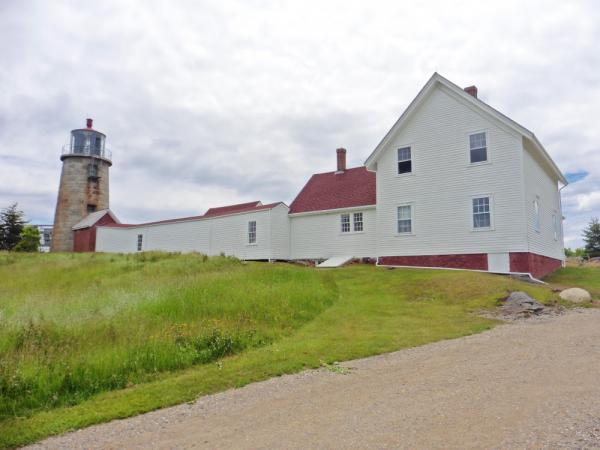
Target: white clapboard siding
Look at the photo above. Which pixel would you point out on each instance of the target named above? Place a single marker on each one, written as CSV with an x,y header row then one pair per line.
x,y
443,183
212,236
116,240
319,236
541,184
280,232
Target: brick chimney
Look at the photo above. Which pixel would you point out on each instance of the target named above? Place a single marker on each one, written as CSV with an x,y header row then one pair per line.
x,y
471,90
88,123
341,159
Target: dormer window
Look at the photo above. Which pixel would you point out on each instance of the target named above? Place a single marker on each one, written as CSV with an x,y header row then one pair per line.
x,y
404,160
478,148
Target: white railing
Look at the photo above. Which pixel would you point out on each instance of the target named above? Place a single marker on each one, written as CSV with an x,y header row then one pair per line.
x,y
86,150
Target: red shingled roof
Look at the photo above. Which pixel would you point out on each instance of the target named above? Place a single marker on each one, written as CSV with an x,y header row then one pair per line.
x,y
210,213
219,211
353,187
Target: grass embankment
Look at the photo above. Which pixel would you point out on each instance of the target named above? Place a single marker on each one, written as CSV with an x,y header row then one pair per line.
x,y
96,337
584,277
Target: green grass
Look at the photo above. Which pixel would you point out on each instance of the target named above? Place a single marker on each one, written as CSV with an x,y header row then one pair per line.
x,y
90,338
584,277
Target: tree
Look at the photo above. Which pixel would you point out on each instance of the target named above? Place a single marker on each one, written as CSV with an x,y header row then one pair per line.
x,y
578,252
12,222
591,237
30,240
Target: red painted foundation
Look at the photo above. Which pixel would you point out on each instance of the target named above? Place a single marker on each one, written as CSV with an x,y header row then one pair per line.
x,y
537,265
473,261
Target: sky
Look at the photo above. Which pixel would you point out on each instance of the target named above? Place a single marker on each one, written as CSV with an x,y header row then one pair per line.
x,y
212,103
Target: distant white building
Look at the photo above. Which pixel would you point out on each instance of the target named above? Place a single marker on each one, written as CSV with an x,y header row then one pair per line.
x,y
45,237
453,184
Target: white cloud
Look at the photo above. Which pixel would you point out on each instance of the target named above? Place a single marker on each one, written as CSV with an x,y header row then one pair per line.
x,y
207,103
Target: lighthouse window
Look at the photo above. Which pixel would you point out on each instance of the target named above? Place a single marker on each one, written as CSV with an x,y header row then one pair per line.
x,y
97,145
91,208
93,170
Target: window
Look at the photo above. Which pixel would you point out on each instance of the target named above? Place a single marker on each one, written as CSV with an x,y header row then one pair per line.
x,y
91,209
536,214
478,148
140,237
358,221
555,226
482,217
252,232
345,223
405,219
92,170
404,160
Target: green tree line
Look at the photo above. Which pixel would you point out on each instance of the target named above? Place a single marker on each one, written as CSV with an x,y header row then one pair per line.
x,y
15,234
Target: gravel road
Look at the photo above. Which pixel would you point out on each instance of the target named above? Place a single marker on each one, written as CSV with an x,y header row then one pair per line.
x,y
530,384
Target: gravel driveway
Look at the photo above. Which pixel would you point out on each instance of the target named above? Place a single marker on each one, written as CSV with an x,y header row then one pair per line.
x,y
530,384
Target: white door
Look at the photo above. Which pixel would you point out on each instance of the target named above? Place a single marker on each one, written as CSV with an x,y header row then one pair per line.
x,y
498,262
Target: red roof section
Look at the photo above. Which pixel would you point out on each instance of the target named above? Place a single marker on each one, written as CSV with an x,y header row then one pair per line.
x,y
240,207
331,190
210,213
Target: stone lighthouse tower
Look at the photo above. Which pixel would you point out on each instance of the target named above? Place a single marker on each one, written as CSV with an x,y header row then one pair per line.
x,y
83,183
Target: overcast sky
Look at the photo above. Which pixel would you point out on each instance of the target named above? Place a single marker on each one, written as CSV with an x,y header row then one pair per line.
x,y
210,103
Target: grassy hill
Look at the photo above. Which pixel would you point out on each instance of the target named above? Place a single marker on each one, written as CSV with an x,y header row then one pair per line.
x,y
86,338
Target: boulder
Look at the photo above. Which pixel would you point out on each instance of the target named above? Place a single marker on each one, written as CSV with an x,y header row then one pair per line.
x,y
576,295
519,302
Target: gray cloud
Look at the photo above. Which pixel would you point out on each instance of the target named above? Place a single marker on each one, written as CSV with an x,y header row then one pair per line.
x,y
208,103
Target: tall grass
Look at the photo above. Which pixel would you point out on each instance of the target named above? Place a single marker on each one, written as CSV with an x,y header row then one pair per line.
x,y
72,326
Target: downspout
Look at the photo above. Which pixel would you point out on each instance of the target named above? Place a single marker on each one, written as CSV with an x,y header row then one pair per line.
x,y
562,235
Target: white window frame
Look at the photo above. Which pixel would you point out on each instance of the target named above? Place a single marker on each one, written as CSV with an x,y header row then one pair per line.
x,y
140,242
472,214
412,160
411,205
555,225
536,213
252,234
361,221
487,148
344,222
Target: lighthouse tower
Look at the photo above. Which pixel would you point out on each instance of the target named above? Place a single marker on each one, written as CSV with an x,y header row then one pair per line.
x,y
83,183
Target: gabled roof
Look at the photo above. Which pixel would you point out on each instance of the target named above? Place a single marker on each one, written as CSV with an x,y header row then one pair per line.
x,y
210,213
333,190
91,219
435,80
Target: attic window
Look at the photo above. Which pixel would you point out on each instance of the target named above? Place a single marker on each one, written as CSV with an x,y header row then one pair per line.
x,y
478,148
404,160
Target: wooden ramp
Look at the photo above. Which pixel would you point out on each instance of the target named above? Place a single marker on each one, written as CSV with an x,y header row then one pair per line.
x,y
336,261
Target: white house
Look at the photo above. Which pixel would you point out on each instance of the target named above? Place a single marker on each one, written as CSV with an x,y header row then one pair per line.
x,y
453,184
